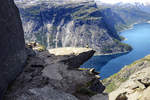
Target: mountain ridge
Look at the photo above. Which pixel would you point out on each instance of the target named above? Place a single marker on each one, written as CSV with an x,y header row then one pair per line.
x,y
73,25
123,2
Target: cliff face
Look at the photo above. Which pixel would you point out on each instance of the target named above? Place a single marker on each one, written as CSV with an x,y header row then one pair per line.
x,y
73,25
12,52
50,76
129,14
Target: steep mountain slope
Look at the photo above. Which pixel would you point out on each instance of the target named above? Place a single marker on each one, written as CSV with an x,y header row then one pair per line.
x,y
129,13
145,8
132,82
74,24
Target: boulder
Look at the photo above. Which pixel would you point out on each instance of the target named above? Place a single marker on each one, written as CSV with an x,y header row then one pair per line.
x,y
122,96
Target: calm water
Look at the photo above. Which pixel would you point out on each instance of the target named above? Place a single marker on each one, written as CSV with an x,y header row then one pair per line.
x,y
138,38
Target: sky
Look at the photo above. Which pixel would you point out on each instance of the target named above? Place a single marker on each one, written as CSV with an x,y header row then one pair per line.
x,y
124,1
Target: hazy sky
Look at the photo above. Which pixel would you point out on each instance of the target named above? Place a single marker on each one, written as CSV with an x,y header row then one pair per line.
x,y
124,1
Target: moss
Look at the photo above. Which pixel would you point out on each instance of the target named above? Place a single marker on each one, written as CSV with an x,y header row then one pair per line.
x,y
40,47
114,84
110,87
83,69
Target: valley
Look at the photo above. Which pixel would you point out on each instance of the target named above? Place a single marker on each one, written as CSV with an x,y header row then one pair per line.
x,y
73,25
74,50
137,37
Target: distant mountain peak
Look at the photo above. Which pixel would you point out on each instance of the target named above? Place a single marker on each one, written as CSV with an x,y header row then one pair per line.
x,y
52,1
29,3
133,2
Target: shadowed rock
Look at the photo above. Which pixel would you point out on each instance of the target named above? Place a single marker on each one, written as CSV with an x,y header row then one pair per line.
x,y
12,46
122,96
47,77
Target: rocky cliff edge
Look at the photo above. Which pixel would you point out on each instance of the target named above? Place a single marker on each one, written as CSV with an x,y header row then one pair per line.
x,y
50,76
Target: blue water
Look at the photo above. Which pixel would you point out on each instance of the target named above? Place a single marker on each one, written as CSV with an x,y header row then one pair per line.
x,y
138,38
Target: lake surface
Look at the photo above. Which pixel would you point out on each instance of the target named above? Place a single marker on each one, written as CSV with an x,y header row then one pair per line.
x,y
138,37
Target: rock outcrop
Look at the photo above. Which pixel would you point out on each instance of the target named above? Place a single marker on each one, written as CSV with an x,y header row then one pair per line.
x,y
117,79
131,83
137,87
47,77
12,46
77,55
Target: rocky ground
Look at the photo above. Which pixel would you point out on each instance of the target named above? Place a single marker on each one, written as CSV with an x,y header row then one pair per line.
x,y
137,87
131,83
117,79
55,75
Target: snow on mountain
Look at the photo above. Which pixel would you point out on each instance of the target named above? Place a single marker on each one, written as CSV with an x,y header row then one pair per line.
x,y
34,2
30,3
135,2
143,5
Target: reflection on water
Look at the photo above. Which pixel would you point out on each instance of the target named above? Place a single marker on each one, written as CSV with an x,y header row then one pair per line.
x,y
98,62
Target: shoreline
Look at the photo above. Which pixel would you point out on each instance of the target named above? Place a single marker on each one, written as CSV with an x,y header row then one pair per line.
x,y
112,53
130,27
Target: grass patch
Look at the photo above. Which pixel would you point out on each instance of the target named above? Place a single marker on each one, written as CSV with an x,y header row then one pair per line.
x,y
83,69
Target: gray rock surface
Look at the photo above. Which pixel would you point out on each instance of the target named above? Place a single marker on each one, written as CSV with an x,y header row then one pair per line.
x,y
47,77
12,46
114,81
46,93
134,88
100,97
132,82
